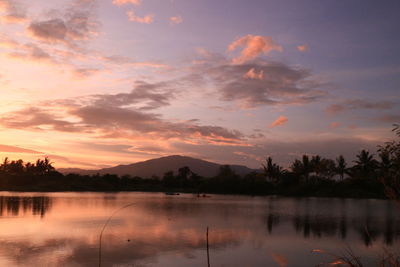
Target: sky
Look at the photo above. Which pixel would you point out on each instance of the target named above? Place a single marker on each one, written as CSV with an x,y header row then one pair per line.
x,y
96,83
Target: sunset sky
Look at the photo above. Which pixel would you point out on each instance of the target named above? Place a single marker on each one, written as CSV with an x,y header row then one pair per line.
x,y
95,83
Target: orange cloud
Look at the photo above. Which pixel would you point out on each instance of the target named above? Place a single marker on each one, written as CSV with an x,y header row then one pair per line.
x,y
175,20
126,2
4,6
253,46
148,19
334,124
7,42
14,149
252,74
281,260
13,13
280,121
302,48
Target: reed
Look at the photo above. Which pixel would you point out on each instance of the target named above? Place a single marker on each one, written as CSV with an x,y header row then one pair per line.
x,y
105,225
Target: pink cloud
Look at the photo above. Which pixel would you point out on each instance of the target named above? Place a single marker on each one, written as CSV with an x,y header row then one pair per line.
x,y
148,19
126,2
280,121
355,104
334,124
253,46
252,74
175,20
302,48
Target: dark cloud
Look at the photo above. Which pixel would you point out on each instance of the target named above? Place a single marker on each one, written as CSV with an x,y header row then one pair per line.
x,y
123,121
85,72
120,115
77,24
147,95
32,52
354,104
258,83
34,118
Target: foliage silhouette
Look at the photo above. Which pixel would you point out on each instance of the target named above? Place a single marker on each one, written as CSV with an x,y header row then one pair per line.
x,y
310,176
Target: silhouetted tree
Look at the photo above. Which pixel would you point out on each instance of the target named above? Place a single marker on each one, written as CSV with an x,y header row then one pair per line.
x,y
365,165
390,165
341,167
169,179
316,164
327,168
272,171
184,172
302,168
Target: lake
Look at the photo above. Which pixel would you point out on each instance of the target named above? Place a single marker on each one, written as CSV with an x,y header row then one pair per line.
x,y
154,229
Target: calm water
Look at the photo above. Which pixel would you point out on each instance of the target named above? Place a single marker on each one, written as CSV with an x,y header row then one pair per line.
x,y
62,229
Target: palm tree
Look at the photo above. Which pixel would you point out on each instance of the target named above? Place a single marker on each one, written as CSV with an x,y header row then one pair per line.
x,y
16,167
268,168
5,164
44,166
385,163
316,164
327,168
303,167
390,165
365,164
341,167
272,170
307,167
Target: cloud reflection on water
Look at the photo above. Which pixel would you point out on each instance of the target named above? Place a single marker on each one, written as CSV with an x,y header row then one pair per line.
x,y
63,228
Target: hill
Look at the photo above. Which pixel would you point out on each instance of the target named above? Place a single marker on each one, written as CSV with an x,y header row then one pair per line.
x,y
159,166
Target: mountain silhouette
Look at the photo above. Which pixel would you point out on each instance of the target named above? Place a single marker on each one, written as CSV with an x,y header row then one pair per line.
x,y
159,166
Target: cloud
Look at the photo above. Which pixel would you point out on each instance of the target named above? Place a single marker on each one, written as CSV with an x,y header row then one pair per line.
x,y
148,19
121,115
175,20
252,74
12,11
147,95
355,104
15,149
31,52
7,42
389,118
126,2
121,60
280,121
282,84
34,117
253,46
76,25
280,259
85,72
302,48
334,125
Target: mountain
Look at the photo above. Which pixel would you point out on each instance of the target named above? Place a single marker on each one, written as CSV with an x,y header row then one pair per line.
x,y
160,166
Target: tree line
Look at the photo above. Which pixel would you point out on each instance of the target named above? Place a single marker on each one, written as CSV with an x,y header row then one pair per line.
x,y
368,176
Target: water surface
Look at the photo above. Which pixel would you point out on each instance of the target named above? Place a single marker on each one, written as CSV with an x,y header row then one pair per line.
x,y
62,229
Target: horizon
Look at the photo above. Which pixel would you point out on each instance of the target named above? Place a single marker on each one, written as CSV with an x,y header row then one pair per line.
x,y
98,83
